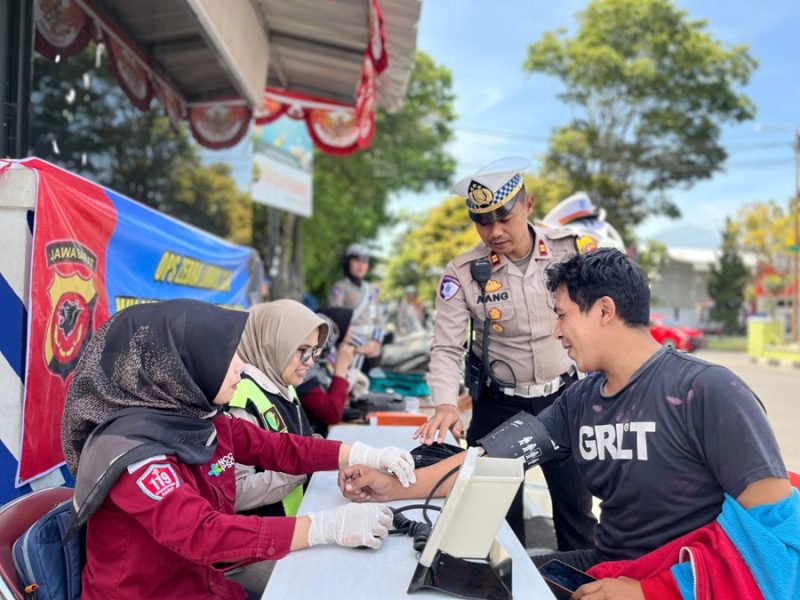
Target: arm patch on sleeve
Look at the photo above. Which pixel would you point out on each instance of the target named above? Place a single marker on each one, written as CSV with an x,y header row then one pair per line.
x,y
448,287
158,481
584,244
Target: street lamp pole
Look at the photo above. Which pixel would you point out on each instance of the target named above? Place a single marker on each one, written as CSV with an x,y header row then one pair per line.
x,y
796,222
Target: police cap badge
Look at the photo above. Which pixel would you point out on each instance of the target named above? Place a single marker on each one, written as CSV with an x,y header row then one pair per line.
x,y
492,192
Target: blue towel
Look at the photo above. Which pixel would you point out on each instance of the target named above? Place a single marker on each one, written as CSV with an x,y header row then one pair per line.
x,y
768,538
684,577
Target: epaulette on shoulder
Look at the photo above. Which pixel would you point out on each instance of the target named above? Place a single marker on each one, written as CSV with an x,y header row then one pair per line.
x,y
558,233
478,251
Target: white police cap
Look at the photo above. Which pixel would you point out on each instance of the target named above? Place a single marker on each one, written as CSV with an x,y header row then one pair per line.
x,y
491,193
358,250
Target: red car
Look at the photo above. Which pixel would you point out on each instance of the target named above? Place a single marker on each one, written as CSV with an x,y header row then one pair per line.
x,y
668,333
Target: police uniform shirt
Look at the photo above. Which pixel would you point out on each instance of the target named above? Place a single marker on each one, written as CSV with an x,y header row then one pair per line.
x,y
347,294
520,312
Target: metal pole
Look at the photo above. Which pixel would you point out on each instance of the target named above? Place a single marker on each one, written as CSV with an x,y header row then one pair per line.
x,y
796,253
16,67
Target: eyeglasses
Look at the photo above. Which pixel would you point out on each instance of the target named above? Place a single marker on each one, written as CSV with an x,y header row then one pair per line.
x,y
307,353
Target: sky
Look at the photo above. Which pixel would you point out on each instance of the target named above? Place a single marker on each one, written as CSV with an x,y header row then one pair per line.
x,y
503,110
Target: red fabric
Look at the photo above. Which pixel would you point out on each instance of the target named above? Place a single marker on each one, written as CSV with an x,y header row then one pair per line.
x,y
327,407
74,222
720,571
139,546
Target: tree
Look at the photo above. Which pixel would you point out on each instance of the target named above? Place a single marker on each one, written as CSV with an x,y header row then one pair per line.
x,y
764,229
652,259
351,192
728,281
652,89
83,121
548,188
431,241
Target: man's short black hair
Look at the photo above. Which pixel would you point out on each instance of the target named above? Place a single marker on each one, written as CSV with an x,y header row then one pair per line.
x,y
604,272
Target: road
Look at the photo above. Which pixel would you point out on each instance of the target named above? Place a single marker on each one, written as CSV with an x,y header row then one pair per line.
x,y
779,390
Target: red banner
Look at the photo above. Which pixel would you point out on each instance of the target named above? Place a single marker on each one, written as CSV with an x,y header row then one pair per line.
x,y
73,224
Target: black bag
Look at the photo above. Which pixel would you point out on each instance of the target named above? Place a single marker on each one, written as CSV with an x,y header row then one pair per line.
x,y
375,402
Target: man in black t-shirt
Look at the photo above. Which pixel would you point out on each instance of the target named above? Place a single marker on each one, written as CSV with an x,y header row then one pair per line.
x,y
659,436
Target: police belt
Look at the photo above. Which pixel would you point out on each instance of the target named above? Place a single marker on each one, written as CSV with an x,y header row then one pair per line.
x,y
536,390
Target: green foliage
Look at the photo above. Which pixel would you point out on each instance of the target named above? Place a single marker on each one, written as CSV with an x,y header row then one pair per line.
x,y
652,259
653,88
84,122
547,188
765,229
728,281
432,240
351,192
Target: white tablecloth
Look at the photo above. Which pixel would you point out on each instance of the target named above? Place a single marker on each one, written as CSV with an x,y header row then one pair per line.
x,y
334,572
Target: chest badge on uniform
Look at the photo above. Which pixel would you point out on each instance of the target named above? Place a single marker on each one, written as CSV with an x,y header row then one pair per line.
x,y
495,313
158,481
274,420
493,285
542,248
585,244
448,287
497,328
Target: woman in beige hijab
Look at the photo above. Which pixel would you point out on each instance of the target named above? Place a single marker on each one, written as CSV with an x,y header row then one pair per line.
x,y
280,342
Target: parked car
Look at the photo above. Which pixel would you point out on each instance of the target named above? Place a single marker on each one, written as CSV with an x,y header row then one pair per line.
x,y
668,333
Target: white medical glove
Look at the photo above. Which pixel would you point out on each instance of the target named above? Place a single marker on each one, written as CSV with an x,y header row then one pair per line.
x,y
350,525
389,460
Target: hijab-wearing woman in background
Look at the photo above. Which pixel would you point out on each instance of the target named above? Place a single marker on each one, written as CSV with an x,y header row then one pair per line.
x,y
153,460
278,347
325,391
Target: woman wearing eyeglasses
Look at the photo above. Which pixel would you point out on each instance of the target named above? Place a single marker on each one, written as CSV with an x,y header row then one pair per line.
x,y
280,343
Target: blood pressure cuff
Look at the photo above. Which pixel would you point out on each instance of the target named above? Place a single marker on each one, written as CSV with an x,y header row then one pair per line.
x,y
522,435
425,455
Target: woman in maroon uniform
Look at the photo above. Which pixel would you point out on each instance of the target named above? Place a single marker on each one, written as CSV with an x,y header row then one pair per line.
x,y
154,460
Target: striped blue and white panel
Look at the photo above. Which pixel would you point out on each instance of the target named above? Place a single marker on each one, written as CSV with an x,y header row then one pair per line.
x,y
17,201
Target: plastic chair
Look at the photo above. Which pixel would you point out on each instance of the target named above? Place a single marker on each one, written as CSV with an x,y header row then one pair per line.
x,y
15,518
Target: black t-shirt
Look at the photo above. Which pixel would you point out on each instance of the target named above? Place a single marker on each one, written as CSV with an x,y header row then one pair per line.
x,y
662,451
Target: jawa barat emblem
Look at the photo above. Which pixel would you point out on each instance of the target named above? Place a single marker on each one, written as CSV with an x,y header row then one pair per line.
x,y
72,301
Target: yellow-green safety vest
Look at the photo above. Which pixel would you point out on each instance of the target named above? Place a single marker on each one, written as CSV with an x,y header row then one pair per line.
x,y
271,419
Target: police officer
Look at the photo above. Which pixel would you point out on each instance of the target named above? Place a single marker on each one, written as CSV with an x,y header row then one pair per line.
x,y
514,363
355,293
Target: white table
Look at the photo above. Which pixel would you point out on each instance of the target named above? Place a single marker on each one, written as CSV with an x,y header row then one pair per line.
x,y
330,571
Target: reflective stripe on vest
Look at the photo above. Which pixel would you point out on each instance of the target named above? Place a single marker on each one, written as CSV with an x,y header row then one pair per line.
x,y
248,390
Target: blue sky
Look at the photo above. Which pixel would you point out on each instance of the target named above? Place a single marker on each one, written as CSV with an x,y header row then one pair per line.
x,y
503,110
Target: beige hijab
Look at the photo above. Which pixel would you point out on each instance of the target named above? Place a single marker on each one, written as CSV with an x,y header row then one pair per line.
x,y
273,333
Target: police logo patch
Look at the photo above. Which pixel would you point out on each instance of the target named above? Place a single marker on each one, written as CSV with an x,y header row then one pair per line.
x,y
158,481
448,287
585,244
493,285
495,313
480,195
497,328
